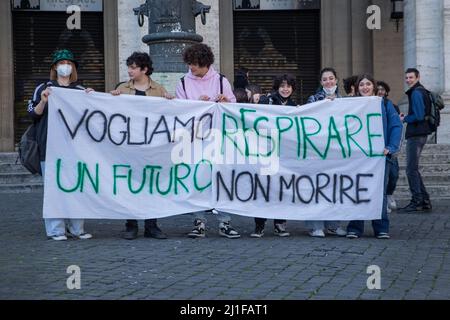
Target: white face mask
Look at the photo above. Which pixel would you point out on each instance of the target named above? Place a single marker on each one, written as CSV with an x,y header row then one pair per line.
x,y
330,91
64,70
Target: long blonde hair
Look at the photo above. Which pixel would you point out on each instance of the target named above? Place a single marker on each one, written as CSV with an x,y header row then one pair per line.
x,y
73,77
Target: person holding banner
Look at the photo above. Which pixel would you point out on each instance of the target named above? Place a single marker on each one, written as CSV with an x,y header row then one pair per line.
x,y
283,88
63,74
204,83
328,90
392,126
140,67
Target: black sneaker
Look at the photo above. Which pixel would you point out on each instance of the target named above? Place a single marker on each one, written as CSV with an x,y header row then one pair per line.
x,y
198,231
225,230
426,205
154,232
259,232
280,230
130,233
412,207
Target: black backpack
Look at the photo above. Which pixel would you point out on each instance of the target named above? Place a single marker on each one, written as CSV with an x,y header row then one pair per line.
x,y
29,151
433,115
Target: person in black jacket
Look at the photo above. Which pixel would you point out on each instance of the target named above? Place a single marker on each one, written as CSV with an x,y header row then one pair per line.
x,y
417,130
63,74
283,88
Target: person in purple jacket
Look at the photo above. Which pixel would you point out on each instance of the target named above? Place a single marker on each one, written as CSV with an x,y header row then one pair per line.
x,y
204,83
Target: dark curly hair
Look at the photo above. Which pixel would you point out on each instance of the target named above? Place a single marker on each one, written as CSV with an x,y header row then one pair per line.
x,y
142,60
289,79
199,54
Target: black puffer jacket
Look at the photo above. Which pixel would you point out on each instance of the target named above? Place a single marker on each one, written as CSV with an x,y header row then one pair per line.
x,y
276,99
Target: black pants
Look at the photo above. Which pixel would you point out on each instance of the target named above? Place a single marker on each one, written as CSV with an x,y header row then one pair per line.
x,y
262,221
134,223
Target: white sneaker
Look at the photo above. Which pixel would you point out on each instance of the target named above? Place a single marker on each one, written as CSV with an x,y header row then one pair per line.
x,y
337,232
83,236
58,238
388,210
391,203
318,233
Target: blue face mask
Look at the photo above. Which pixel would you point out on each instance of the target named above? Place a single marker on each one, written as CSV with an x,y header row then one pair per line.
x,y
64,70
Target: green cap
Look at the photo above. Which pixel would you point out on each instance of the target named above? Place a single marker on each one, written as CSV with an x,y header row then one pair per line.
x,y
64,54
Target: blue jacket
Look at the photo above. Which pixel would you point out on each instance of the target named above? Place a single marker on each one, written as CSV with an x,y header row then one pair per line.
x,y
419,103
392,126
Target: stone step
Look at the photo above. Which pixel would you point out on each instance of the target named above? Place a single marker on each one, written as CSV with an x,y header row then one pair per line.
x,y
438,157
441,192
428,169
428,179
21,188
8,157
12,168
19,178
431,148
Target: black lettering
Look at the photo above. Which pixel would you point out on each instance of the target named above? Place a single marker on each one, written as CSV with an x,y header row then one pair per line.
x,y
298,189
288,186
344,189
162,120
220,180
319,187
88,121
177,120
265,194
123,132
73,133
129,133
206,115
236,186
358,189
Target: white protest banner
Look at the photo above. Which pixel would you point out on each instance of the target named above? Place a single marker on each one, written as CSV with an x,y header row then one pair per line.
x,y
132,157
110,157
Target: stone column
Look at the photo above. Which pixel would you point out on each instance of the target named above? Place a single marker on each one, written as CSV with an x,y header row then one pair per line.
x,y
336,31
444,129
362,39
424,48
6,79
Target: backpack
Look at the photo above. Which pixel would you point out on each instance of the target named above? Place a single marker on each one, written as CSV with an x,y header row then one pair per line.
x,y
433,115
29,155
29,151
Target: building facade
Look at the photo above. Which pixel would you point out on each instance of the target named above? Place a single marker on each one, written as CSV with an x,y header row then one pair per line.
x,y
268,37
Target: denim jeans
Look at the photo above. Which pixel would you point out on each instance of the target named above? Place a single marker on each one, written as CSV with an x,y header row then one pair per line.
x,y
57,227
379,226
414,147
393,177
221,216
320,225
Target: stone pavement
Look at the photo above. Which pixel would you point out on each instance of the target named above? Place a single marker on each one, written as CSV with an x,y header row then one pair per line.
x,y
414,264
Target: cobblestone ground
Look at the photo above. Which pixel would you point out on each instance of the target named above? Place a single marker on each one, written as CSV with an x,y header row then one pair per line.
x,y
414,263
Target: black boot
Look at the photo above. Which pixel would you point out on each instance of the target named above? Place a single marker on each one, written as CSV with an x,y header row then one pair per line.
x,y
153,231
131,230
